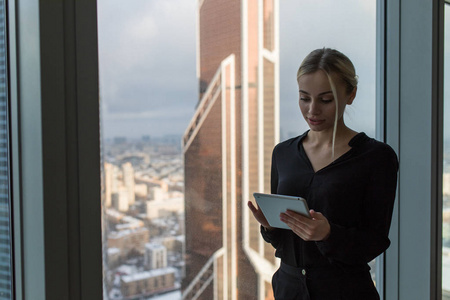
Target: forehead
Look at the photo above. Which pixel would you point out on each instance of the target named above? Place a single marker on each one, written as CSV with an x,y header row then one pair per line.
x,y
313,82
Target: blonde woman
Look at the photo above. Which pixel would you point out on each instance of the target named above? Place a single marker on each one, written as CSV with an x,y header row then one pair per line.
x,y
349,181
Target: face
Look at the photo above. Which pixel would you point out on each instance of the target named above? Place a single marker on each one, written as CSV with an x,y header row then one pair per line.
x,y
317,102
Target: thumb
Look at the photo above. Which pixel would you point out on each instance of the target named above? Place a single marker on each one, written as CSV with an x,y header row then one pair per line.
x,y
251,206
316,215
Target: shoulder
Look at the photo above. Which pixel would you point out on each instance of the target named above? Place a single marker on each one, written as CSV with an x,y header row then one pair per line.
x,y
289,144
378,152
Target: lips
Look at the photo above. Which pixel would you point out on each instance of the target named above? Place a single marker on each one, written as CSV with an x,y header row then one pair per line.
x,y
315,121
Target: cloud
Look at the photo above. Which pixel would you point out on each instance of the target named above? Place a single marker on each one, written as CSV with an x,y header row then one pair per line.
x,y
148,60
146,54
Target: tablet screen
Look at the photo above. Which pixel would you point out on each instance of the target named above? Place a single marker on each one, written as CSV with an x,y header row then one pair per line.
x,y
272,205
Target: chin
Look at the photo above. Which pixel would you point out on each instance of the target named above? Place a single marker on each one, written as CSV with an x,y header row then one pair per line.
x,y
320,128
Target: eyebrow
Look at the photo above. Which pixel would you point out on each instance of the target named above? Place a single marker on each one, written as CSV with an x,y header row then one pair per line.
x,y
323,93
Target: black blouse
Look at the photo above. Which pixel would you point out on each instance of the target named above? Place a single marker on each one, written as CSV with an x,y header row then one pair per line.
x,y
355,193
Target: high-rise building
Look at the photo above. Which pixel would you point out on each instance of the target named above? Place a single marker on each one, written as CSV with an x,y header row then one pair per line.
x,y
111,182
129,242
144,284
155,256
108,181
5,233
120,200
128,181
227,149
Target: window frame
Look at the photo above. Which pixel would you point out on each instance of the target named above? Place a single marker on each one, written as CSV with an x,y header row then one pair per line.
x,y
53,56
414,274
55,143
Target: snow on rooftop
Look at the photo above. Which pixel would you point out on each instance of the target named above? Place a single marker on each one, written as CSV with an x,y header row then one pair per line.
x,y
122,233
148,274
154,246
168,296
126,269
112,251
114,213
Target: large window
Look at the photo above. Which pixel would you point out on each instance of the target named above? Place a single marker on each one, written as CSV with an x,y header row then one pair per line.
x,y
183,116
349,26
194,96
148,92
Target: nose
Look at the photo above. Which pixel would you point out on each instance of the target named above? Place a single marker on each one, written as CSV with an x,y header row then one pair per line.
x,y
314,108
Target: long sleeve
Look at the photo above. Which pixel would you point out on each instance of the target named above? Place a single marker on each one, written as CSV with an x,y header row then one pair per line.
x,y
361,244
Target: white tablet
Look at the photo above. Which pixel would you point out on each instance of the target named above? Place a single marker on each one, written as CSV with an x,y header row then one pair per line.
x,y
272,205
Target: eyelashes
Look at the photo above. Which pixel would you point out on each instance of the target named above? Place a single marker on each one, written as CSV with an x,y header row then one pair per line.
x,y
321,100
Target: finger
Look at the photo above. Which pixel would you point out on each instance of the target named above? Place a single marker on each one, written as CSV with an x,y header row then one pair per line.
x,y
295,214
316,215
298,217
286,218
307,230
299,228
300,231
251,206
293,222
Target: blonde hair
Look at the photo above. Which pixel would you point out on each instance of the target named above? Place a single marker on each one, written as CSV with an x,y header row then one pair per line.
x,y
332,62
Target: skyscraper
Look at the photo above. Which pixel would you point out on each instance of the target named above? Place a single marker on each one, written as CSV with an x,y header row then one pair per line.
x,y
108,182
155,256
128,181
227,149
5,240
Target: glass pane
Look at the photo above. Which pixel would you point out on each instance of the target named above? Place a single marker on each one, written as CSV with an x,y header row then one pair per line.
x,y
194,96
5,203
148,91
351,31
446,167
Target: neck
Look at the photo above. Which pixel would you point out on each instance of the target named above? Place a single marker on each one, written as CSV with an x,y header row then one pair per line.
x,y
324,138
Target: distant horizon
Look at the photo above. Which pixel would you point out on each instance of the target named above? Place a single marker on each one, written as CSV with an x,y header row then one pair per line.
x,y
133,43
180,136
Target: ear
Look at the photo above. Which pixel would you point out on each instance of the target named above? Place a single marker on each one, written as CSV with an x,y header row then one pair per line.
x,y
352,96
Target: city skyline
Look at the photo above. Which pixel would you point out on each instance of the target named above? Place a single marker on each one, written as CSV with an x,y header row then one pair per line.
x,y
143,231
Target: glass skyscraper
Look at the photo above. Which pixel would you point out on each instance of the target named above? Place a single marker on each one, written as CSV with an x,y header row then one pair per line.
x,y
5,233
227,150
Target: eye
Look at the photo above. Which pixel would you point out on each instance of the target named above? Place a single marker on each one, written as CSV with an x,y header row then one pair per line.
x,y
304,98
326,100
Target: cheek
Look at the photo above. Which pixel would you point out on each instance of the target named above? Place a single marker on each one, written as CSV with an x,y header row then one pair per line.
x,y
303,107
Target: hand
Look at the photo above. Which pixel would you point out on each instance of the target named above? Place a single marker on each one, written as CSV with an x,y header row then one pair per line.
x,y
315,229
259,216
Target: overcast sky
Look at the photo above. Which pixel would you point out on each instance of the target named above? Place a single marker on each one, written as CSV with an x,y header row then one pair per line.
x,y
147,55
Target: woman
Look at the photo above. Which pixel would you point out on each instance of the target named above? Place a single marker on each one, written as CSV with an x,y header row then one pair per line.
x,y
349,181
